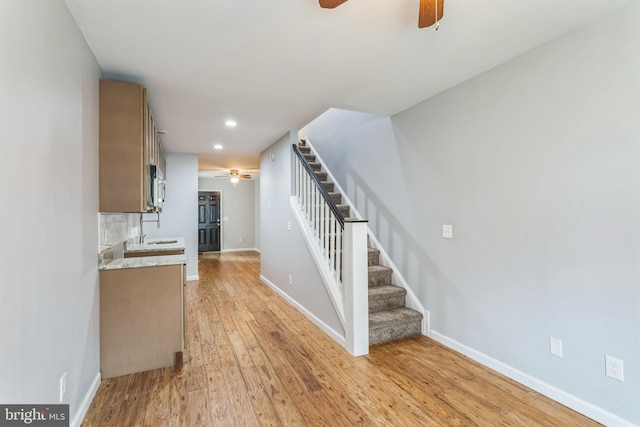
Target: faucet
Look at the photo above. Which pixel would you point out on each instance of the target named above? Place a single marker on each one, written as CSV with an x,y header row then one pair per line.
x,y
142,221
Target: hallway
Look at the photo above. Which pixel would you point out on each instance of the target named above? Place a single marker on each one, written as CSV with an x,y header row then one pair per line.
x,y
252,359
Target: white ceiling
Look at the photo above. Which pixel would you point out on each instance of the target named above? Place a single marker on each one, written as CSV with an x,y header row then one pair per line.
x,y
276,65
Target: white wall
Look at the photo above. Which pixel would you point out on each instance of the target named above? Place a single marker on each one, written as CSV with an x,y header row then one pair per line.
x,y
179,215
238,207
49,296
284,252
536,165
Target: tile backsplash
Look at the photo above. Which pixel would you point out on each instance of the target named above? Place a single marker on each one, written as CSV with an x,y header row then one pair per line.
x,y
115,228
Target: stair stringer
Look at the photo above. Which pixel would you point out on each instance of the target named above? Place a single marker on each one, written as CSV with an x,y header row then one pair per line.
x,y
411,300
334,287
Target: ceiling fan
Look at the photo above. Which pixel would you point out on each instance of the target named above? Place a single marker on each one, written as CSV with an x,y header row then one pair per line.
x,y
430,13
234,175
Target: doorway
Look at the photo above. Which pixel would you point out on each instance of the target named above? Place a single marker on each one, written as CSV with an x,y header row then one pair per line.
x,y
208,221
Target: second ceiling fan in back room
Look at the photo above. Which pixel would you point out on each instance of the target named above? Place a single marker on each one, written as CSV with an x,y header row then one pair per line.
x,y
430,13
234,175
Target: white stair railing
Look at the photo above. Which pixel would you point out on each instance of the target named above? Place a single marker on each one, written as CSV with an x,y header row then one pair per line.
x,y
339,247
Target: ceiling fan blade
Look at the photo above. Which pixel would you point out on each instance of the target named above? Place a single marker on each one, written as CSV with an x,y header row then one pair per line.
x,y
427,16
247,176
330,4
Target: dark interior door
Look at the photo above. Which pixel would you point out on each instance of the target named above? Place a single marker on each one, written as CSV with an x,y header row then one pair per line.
x,y
208,221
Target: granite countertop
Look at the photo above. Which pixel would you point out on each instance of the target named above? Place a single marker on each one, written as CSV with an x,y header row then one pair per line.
x,y
146,261
113,258
150,246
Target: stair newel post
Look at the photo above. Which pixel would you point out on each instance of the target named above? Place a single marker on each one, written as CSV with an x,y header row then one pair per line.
x,y
355,285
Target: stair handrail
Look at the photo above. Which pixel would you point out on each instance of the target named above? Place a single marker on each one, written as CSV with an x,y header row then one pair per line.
x,y
323,191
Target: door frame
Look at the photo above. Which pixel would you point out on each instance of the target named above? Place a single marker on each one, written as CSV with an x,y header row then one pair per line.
x,y
221,216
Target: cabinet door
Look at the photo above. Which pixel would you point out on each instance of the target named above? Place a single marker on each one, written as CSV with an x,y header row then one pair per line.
x,y
121,155
141,318
129,144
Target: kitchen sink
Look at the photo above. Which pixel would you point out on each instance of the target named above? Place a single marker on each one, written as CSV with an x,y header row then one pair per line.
x,y
162,242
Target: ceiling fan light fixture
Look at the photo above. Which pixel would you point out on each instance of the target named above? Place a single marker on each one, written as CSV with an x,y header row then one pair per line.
x,y
234,176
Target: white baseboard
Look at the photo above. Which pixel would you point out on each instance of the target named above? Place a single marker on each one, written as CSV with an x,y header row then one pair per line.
x,y
195,277
590,410
86,402
241,250
340,339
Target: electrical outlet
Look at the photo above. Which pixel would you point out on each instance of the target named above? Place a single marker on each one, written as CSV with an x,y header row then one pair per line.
x,y
290,280
447,231
288,225
239,239
614,368
555,346
63,387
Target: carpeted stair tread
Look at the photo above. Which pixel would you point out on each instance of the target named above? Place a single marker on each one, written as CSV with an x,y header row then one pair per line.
x,y
385,326
397,315
386,297
337,197
315,166
328,185
344,210
304,149
322,176
379,275
373,256
309,157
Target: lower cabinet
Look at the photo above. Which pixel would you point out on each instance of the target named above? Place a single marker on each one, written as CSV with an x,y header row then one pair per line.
x,y
142,319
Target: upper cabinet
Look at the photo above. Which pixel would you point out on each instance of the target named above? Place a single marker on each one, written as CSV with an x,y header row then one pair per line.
x,y
129,150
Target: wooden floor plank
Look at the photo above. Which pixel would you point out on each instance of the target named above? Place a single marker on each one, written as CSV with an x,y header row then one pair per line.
x,y
252,359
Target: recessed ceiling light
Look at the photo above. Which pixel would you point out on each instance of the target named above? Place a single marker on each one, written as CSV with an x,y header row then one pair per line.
x,y
218,146
231,123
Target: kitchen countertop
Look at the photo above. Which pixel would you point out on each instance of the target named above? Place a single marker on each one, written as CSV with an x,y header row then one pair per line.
x,y
149,246
113,259
146,261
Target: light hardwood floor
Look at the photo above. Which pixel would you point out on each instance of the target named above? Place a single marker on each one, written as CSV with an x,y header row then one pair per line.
x,y
254,360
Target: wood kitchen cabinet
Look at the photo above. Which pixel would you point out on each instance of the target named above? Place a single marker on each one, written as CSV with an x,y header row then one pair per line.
x,y
142,319
129,144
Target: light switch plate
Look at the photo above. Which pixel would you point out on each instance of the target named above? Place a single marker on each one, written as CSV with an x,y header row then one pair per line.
x,y
447,231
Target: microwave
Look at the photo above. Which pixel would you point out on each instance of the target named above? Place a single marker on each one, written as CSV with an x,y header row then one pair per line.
x,y
158,188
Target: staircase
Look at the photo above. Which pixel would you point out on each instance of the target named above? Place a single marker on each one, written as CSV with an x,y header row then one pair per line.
x,y
389,318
